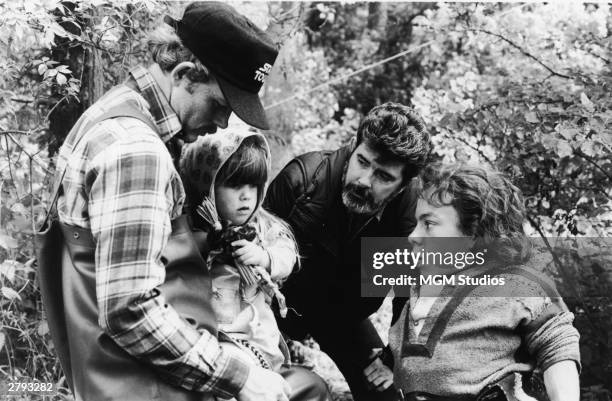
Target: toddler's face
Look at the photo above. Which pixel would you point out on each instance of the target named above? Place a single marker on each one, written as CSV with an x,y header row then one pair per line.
x,y
235,204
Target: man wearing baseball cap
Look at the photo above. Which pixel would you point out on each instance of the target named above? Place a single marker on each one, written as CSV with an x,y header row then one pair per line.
x,y
129,310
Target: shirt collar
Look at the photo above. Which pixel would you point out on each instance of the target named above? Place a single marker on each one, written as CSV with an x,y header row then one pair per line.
x,y
165,117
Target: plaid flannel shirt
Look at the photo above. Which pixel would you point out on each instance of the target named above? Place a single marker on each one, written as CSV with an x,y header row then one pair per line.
x,y
121,184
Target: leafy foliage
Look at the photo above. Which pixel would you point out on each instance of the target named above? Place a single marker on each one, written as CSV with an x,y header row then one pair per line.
x,y
523,87
48,48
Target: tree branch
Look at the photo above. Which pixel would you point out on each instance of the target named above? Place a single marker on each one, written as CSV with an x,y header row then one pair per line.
x,y
523,51
32,157
580,153
475,148
12,131
26,101
8,156
592,53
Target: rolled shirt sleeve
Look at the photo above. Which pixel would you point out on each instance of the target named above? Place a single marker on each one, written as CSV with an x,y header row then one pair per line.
x,y
555,341
547,326
131,201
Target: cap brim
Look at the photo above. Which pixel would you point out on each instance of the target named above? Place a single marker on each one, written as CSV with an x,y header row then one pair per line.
x,y
246,105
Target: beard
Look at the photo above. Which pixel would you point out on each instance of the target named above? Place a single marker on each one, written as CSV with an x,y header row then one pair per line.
x,y
359,199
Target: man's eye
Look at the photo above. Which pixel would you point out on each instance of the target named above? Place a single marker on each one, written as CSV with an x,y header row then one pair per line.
x,y
363,162
385,178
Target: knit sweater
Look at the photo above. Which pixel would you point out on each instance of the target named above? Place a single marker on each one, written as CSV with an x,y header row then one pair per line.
x,y
471,338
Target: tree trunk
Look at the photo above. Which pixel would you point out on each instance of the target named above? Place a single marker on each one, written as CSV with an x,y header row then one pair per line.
x,y
281,118
377,16
92,85
86,64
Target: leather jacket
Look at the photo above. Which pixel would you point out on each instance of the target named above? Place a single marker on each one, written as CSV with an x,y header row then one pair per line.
x,y
307,194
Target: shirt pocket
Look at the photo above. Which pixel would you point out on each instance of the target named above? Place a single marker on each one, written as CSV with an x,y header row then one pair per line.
x,y
226,304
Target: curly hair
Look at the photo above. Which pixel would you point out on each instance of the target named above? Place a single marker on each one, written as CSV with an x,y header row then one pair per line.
x,y
167,50
397,132
490,208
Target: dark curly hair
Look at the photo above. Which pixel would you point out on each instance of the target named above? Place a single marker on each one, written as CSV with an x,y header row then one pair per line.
x,y
490,208
397,132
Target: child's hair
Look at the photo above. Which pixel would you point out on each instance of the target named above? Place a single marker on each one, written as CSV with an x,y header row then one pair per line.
x,y
489,206
247,166
271,226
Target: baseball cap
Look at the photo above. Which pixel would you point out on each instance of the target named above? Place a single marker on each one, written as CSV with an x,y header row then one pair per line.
x,y
238,53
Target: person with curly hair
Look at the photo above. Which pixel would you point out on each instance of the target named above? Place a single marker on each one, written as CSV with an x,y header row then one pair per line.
x,y
331,200
478,340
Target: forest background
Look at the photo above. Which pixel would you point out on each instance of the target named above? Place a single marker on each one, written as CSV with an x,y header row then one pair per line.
x,y
522,87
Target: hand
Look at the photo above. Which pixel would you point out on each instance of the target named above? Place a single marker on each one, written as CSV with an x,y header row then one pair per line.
x,y
378,375
248,253
264,385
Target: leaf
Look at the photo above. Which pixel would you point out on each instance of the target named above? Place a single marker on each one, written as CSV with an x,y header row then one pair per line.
x,y
64,69
10,293
421,20
43,328
564,149
532,117
19,208
42,68
587,148
7,269
61,79
8,242
586,102
566,131
549,141
2,341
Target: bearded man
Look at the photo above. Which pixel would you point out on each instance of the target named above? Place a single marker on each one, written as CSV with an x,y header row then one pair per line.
x,y
332,199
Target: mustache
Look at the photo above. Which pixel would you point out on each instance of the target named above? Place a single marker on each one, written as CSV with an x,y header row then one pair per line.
x,y
363,193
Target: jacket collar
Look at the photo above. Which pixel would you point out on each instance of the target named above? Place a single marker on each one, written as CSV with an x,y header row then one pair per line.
x,y
167,121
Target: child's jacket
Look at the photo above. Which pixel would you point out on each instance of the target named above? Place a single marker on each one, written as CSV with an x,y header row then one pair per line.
x,y
242,312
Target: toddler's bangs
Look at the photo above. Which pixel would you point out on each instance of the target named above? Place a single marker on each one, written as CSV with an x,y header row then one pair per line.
x,y
247,166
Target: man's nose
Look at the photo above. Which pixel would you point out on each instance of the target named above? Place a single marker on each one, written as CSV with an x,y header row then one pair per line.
x,y
365,179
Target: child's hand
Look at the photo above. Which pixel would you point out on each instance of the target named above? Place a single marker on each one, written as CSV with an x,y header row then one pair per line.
x,y
248,253
378,375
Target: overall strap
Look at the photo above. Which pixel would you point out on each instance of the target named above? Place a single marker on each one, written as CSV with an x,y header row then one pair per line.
x,y
124,110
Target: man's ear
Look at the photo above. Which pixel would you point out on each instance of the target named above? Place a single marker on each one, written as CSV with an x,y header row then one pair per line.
x,y
353,143
178,72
